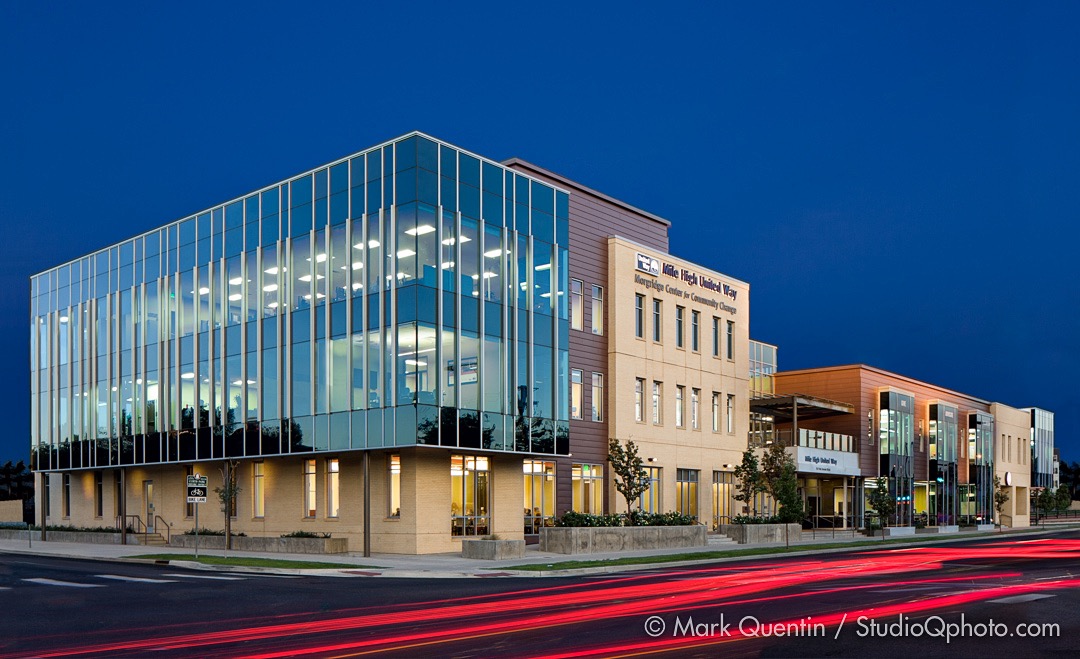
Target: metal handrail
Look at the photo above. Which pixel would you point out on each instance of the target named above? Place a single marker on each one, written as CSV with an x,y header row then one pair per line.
x,y
121,521
168,528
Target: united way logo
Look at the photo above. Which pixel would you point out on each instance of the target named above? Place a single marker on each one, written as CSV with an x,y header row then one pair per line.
x,y
648,264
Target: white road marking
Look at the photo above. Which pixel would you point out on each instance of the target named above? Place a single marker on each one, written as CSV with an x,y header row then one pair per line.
x,y
57,582
118,577
1016,599
205,576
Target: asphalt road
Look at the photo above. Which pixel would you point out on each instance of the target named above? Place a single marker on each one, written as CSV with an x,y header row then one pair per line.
x,y
982,599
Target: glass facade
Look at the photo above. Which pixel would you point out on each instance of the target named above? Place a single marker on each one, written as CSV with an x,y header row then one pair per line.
x,y
942,489
412,294
1042,448
981,467
896,434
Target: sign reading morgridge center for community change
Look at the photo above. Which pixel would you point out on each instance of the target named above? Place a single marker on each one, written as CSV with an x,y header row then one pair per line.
x,y
196,489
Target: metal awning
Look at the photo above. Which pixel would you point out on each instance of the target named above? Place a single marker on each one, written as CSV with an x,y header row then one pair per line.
x,y
799,406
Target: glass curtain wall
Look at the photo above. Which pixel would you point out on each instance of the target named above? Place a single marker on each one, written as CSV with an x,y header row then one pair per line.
x,y
896,434
942,492
981,467
410,294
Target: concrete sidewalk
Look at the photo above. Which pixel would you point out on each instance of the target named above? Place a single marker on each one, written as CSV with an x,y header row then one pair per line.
x,y
454,566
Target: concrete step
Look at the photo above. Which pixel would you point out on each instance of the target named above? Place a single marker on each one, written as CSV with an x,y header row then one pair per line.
x,y
152,539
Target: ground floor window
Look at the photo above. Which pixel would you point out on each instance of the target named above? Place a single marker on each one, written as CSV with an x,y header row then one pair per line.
x,y
723,497
258,497
588,487
469,490
394,484
539,495
650,499
333,485
65,493
309,488
686,491
99,493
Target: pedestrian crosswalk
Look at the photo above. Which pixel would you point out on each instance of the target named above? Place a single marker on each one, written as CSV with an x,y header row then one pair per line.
x,y
92,581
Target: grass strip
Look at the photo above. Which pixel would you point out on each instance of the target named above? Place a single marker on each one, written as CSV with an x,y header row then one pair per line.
x,y
249,561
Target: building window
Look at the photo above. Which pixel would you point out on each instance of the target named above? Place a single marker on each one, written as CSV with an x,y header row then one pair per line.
x,y
597,310
309,488
731,413
189,509
575,393
730,339
715,412
577,304
679,393
715,337
639,316
65,493
656,315
258,494
656,418
588,487
695,405
99,493
333,470
723,497
118,492
680,313
597,397
539,495
639,399
686,491
394,483
469,495
649,501
695,331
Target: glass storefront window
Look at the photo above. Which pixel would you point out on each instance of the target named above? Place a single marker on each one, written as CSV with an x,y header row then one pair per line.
x,y
587,483
469,506
539,477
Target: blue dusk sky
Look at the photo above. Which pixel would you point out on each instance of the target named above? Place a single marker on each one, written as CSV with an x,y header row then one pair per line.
x,y
896,181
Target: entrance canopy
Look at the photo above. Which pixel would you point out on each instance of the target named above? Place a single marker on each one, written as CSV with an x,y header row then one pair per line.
x,y
793,407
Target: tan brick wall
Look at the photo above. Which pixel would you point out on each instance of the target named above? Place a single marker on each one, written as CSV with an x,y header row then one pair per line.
x,y
629,358
1012,456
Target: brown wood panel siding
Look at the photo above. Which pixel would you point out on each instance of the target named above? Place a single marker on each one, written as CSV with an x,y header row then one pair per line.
x,y
859,386
592,221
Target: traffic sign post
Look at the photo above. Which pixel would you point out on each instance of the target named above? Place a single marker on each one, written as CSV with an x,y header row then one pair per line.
x,y
196,494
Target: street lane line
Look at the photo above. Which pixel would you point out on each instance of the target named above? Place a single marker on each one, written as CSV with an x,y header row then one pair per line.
x,y
118,577
1016,599
205,576
57,582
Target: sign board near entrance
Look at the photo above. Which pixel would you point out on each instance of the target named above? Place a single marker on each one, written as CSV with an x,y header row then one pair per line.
x,y
196,489
824,461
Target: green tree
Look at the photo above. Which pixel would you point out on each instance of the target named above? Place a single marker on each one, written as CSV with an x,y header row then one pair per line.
x,y
1001,497
782,483
1044,502
631,479
751,480
1062,498
883,501
227,494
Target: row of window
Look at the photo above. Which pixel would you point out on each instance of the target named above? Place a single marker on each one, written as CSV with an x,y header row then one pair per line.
x,y
577,307
576,387
723,334
657,390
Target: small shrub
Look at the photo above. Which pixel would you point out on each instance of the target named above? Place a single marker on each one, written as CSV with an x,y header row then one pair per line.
x,y
576,519
78,529
13,525
213,532
305,534
756,519
636,518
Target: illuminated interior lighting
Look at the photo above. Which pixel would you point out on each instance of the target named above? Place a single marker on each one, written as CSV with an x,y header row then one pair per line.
x,y
405,253
415,362
236,281
373,244
272,305
543,266
204,290
357,265
493,253
319,258
187,376
446,265
489,275
357,285
451,241
270,288
235,297
420,230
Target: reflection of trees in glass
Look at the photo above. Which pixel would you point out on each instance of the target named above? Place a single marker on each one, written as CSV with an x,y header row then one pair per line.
x,y
427,427
521,433
543,436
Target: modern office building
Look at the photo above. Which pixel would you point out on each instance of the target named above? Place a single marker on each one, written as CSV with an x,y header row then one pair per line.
x,y
1042,448
407,346
936,447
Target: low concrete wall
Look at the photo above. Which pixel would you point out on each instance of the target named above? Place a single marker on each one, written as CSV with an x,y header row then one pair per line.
x,y
939,529
69,536
593,540
985,527
492,550
267,544
897,531
761,533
